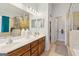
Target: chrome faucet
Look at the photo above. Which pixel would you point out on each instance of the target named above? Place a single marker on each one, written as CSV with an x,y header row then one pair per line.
x,y
9,41
36,33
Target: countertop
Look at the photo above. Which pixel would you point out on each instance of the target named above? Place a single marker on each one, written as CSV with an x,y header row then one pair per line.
x,y
4,49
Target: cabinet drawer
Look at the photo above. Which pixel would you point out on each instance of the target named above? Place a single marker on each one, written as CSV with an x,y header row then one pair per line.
x,y
33,44
20,51
35,53
27,53
34,49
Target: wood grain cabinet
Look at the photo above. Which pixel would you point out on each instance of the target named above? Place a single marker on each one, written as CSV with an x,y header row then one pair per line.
x,y
20,51
33,44
41,45
34,48
35,53
26,53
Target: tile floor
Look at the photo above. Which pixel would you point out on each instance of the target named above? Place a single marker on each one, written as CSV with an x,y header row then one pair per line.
x,y
57,49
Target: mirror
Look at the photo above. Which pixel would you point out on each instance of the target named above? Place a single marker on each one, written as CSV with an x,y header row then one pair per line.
x,y
37,23
13,25
75,20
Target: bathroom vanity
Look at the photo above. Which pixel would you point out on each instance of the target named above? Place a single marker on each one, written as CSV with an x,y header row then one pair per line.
x,y
30,47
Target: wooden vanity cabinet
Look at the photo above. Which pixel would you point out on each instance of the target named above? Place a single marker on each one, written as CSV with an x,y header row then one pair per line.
x,y
26,53
34,48
37,47
35,53
41,45
20,51
33,44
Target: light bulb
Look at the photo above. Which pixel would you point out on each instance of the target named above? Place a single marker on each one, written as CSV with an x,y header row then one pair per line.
x,y
33,10
30,9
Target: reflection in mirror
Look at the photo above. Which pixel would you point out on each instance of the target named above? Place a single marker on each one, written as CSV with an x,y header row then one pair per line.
x,y
16,22
40,23
33,23
37,23
5,24
75,20
19,23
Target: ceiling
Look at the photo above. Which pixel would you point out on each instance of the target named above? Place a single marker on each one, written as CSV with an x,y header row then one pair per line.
x,y
10,10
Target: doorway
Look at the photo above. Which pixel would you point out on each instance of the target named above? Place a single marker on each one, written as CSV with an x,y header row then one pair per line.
x,y
58,29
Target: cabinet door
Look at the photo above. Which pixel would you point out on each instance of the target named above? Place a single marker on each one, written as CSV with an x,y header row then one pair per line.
x,y
35,53
33,44
34,49
41,48
27,53
41,45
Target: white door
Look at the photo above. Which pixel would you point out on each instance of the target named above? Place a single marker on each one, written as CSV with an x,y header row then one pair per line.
x,y
58,29
61,29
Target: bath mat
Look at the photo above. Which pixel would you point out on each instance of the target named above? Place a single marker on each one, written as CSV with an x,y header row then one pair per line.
x,y
61,49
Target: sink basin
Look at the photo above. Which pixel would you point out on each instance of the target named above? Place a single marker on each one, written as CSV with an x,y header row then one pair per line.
x,y
30,37
20,39
3,41
11,40
16,39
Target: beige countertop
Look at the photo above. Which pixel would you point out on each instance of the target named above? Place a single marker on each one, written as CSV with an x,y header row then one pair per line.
x,y
19,43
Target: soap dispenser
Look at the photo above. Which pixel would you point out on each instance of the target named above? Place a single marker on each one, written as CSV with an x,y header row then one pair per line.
x,y
26,33
22,33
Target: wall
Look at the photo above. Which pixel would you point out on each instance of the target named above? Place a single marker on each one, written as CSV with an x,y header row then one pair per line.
x,y
43,8
75,7
8,9
60,9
